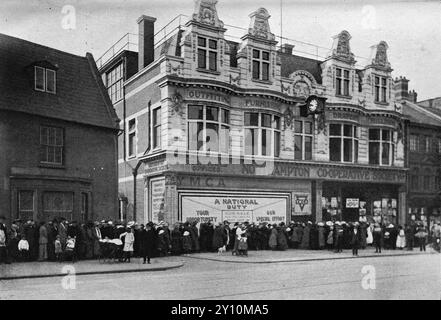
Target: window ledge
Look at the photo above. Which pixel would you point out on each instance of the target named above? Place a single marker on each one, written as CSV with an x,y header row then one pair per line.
x,y
381,103
343,96
267,82
217,73
52,166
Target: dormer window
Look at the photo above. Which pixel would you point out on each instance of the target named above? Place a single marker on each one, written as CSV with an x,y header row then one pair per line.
x,y
342,82
380,89
260,65
207,54
45,79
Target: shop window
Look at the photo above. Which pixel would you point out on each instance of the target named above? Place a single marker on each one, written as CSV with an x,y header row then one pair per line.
x,y
381,147
208,129
58,204
438,146
156,125
114,83
343,143
262,134
207,54
427,144
131,138
45,79
25,205
413,143
380,89
303,140
261,65
414,179
51,145
342,82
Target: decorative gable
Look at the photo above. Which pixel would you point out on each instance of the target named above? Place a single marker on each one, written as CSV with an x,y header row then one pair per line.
x,y
259,28
379,54
205,13
341,49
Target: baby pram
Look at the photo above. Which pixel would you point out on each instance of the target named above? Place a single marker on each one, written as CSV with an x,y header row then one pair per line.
x,y
111,250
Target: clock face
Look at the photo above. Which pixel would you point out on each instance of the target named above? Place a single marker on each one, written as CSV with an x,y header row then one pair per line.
x,y
313,104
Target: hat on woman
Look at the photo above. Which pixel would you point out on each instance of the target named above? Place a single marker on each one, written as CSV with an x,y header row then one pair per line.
x,y
186,233
162,231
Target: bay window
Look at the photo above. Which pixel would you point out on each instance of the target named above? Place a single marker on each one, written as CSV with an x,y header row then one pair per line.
x,y
381,147
343,143
208,129
262,134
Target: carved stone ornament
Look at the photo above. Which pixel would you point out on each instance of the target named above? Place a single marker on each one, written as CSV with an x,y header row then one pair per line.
x,y
341,48
259,25
289,117
176,104
380,59
303,83
321,122
205,12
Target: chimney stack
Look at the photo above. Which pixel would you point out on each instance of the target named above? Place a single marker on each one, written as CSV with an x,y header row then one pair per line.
x,y
287,48
401,86
412,96
146,43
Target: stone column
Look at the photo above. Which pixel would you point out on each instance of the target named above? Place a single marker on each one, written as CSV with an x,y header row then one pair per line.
x,y
171,199
402,205
317,194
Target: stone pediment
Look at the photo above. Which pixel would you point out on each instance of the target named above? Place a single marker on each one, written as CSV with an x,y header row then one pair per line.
x,y
205,12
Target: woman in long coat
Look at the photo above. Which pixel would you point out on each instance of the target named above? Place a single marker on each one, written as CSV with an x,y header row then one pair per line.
x,y
282,242
305,238
42,241
176,240
272,242
220,237
194,233
321,236
146,243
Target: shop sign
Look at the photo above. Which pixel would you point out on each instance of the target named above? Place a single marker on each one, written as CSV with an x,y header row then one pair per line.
x,y
156,166
261,104
233,208
352,203
208,96
345,116
157,200
302,203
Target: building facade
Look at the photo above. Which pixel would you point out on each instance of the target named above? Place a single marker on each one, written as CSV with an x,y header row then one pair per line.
x,y
223,130
424,149
58,136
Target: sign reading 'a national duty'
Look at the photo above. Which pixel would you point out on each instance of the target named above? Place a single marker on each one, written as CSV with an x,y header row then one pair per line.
x,y
234,208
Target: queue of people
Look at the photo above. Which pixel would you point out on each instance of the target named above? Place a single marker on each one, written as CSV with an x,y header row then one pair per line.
x,y
59,239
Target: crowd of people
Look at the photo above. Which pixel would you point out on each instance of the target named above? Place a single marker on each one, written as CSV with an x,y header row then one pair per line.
x,y
59,239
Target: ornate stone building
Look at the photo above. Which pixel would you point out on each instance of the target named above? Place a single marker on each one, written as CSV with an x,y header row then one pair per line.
x,y
224,130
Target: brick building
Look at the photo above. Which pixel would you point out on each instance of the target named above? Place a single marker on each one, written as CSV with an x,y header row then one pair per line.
x,y
58,135
247,130
424,154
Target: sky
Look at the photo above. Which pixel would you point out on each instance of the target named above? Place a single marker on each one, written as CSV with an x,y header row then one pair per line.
x,y
412,29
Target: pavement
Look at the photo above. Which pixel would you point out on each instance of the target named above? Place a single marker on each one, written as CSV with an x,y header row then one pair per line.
x,y
297,255
54,269
26,270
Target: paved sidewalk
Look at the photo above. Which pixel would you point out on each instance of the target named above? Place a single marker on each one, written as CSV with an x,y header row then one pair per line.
x,y
296,255
56,269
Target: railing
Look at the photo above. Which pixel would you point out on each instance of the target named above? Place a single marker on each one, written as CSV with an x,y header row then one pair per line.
x,y
129,41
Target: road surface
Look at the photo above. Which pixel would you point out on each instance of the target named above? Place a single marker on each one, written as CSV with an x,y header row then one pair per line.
x,y
405,277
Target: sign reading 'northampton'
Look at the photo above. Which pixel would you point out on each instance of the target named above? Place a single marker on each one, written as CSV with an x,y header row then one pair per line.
x,y
293,170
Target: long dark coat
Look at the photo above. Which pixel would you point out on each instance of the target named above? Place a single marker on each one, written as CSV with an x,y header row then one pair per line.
x,y
314,238
305,237
282,242
321,237
176,241
219,237
194,238
147,243
272,242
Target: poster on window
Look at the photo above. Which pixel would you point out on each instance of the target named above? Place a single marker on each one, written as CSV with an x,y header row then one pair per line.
x,y
301,203
352,202
234,208
157,200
